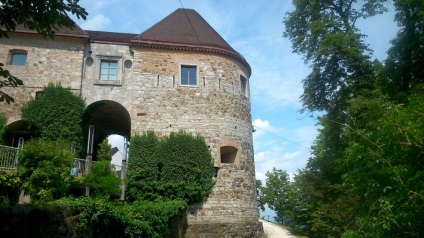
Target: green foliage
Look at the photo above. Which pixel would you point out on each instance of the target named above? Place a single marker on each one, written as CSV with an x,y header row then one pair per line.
x,y
174,167
387,143
406,56
57,115
3,124
7,80
324,33
10,185
102,180
44,168
44,17
103,151
142,161
365,176
41,220
103,218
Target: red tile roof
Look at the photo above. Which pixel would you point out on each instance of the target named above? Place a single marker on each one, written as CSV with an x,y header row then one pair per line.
x,y
110,37
185,29
76,31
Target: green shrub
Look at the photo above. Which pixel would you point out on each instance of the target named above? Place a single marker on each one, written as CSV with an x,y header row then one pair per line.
x,y
104,218
102,180
9,188
44,168
142,158
178,166
56,115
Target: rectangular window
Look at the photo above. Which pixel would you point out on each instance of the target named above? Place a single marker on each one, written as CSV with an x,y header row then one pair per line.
x,y
18,59
188,75
243,86
108,70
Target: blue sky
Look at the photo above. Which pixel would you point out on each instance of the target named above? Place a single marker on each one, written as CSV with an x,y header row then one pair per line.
x,y
254,28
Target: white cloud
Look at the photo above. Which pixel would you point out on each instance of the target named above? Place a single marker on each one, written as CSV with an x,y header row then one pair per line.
x,y
98,22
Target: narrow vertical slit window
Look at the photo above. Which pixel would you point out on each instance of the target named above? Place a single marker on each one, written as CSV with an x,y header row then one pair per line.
x,y
157,81
243,86
173,81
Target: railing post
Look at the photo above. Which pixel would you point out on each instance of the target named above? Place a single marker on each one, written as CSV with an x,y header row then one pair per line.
x,y
124,170
89,157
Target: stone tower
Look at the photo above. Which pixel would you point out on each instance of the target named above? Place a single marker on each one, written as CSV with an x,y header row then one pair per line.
x,y
178,74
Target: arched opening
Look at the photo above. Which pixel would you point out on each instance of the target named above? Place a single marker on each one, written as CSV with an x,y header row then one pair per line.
x,y
228,154
118,150
108,118
16,130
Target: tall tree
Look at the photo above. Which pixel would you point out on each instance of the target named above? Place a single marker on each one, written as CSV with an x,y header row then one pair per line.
x,y
42,16
406,56
325,33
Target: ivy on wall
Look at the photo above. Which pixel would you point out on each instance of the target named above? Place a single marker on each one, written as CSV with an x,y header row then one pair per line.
x,y
178,166
56,115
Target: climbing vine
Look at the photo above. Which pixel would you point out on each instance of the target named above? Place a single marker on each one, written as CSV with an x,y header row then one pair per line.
x,y
56,115
178,166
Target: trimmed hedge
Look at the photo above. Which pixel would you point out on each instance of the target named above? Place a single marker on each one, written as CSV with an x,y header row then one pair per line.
x,y
178,166
88,217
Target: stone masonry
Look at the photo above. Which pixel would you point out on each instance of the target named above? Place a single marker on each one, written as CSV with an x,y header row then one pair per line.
x,y
148,88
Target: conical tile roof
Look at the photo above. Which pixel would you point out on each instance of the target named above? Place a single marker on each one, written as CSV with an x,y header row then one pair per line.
x,y
185,29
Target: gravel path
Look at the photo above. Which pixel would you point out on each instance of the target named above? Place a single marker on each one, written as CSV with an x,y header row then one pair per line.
x,y
275,231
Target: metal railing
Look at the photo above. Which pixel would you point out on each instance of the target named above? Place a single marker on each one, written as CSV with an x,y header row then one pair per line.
x,y
9,158
79,167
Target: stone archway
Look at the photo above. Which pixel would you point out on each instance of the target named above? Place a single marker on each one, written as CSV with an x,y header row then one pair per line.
x,y
108,117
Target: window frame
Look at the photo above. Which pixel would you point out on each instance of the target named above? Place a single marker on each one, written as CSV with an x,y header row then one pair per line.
x,y
119,70
15,52
109,68
182,66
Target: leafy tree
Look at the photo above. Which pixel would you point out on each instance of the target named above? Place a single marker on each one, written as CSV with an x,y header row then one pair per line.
x,y
386,166
324,33
279,195
42,16
7,80
44,168
259,196
362,180
406,56
56,115
103,151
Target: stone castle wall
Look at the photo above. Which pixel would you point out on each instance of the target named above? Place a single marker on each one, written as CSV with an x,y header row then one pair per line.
x,y
150,90
48,60
148,87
